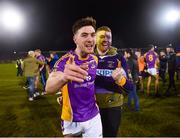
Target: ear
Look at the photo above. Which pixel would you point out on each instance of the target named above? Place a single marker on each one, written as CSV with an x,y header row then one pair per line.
x,y
74,38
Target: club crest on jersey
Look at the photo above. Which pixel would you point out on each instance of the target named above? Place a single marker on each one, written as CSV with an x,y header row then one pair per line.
x,y
88,78
92,64
110,64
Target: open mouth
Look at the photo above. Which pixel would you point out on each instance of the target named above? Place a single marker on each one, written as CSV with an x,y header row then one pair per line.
x,y
89,47
105,44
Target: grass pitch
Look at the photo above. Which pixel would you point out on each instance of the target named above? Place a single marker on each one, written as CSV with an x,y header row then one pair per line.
x,y
158,117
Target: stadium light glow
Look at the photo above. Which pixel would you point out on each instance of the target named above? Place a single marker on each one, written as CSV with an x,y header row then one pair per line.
x,y
11,19
167,17
172,16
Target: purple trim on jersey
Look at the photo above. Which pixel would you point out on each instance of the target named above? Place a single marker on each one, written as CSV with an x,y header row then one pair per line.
x,y
41,58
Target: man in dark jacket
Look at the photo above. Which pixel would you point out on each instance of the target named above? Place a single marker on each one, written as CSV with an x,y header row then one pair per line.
x,y
171,60
163,66
133,76
110,81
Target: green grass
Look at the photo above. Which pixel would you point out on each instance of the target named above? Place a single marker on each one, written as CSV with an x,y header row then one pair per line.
x,y
19,117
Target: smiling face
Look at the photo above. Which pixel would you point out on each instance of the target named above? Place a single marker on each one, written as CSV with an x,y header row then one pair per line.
x,y
103,40
85,40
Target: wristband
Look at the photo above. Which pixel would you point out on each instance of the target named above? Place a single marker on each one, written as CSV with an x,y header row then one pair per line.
x,y
121,81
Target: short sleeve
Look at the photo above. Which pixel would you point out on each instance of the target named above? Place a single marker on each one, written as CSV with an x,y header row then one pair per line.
x,y
60,64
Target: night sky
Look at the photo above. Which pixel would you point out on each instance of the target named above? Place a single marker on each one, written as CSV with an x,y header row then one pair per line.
x,y
49,23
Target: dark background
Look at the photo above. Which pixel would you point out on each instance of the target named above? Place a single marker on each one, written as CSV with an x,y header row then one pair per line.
x,y
49,22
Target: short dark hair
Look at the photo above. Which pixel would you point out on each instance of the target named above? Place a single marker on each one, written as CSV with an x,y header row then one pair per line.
x,y
129,51
104,28
138,50
87,21
150,46
52,52
169,46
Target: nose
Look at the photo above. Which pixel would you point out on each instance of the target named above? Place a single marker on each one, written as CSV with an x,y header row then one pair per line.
x,y
105,39
90,38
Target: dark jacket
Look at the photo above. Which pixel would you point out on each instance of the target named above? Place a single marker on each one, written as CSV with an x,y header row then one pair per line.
x,y
163,63
171,59
133,68
108,93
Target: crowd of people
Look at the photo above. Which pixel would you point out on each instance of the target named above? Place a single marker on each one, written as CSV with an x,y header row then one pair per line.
x,y
35,67
93,77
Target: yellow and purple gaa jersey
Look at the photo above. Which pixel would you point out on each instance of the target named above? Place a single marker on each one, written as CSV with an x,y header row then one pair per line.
x,y
151,58
79,103
42,58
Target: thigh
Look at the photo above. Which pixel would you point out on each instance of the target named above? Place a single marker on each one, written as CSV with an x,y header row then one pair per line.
x,y
111,119
71,128
93,127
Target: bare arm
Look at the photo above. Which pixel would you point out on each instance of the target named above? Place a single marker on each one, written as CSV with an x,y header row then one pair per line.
x,y
55,82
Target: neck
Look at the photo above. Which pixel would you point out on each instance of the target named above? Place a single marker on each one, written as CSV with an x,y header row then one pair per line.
x,y
102,53
81,54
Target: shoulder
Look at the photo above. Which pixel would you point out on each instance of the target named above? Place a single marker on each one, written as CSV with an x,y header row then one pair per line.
x,y
63,59
112,51
94,57
145,54
120,57
156,53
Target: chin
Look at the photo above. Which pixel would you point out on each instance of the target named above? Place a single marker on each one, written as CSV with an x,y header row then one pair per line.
x,y
91,52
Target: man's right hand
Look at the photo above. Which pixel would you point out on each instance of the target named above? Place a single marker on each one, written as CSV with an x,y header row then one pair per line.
x,y
73,72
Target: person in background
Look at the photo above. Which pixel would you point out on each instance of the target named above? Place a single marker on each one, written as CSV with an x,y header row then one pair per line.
x,y
152,62
133,73
52,60
177,61
171,61
42,71
74,75
110,81
163,66
31,69
19,63
141,66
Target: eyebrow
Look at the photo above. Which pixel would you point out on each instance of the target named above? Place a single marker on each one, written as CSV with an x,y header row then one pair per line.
x,y
84,33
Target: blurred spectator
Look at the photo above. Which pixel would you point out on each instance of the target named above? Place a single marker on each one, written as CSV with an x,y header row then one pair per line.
x,y
141,66
171,60
177,61
30,68
152,62
133,76
19,63
52,60
42,70
163,66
